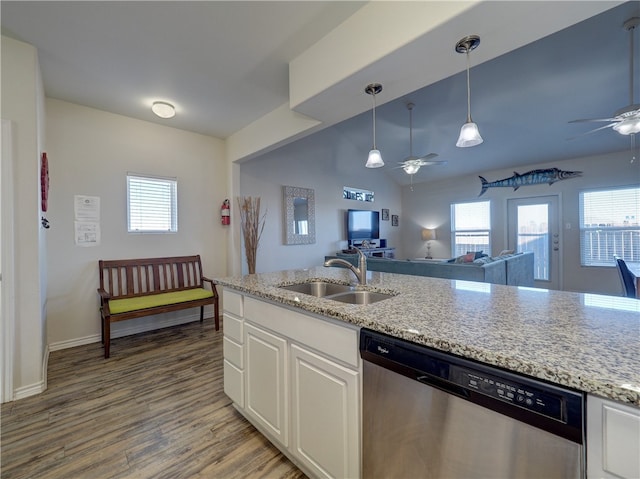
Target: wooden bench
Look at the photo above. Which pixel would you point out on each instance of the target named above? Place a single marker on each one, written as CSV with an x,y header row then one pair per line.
x,y
132,288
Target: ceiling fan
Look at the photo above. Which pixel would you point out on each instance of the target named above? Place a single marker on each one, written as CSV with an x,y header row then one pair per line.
x,y
412,163
626,120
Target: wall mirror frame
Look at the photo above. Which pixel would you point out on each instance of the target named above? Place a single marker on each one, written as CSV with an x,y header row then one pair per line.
x,y
299,215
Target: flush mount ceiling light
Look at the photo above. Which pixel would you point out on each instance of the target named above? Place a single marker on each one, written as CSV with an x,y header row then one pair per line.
x,y
163,109
375,158
469,134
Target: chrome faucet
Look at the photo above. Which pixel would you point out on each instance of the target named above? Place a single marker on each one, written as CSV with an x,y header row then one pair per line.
x,y
360,271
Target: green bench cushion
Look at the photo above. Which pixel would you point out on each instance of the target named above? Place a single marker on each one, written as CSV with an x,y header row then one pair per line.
x,y
117,306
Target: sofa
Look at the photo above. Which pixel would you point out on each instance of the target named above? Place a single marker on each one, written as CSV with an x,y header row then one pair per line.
x,y
510,269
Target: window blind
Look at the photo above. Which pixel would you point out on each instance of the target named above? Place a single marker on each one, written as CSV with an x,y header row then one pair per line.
x,y
152,204
470,227
609,225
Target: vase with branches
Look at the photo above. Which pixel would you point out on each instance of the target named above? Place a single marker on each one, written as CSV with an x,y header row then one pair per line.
x,y
252,224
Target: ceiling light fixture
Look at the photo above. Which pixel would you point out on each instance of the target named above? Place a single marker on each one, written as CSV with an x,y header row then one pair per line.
x,y
412,164
411,169
375,158
469,134
163,109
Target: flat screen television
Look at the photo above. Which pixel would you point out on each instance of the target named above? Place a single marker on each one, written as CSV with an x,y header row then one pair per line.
x,y
363,225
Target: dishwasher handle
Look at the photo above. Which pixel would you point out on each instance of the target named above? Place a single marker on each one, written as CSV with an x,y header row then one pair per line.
x,y
443,385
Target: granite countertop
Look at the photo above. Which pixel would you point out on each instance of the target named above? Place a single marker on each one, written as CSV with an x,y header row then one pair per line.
x,y
584,341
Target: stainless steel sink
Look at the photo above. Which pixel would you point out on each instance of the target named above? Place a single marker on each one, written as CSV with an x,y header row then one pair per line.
x,y
318,289
360,297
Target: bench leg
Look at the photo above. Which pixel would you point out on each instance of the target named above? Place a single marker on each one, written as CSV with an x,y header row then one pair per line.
x,y
106,335
201,313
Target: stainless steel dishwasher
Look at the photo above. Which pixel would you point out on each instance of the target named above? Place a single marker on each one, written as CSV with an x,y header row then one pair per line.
x,y
427,414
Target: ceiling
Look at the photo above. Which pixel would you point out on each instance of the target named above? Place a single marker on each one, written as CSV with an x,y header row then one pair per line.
x,y
222,64
226,64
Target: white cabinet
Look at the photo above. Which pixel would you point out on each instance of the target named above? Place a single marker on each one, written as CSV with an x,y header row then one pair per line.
x,y
613,439
265,379
324,410
233,365
300,382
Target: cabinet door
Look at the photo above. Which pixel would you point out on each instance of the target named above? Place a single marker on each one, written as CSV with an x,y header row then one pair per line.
x,y
325,418
265,381
613,439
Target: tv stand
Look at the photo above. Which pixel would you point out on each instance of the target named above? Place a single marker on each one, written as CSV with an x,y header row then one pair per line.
x,y
388,253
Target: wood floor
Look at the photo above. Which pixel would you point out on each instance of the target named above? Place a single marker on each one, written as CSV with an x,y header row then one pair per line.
x,y
155,409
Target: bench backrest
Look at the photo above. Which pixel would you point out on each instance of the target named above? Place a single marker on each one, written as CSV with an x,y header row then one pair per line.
x,y
126,278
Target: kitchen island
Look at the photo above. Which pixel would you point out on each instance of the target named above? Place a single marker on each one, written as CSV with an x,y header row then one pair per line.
x,y
581,341
584,341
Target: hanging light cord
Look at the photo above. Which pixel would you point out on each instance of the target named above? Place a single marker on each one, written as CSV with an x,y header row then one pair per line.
x,y
631,49
631,45
374,119
411,132
468,89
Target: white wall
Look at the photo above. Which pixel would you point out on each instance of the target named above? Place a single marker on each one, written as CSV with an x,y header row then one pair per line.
x,y
324,162
22,104
90,152
428,205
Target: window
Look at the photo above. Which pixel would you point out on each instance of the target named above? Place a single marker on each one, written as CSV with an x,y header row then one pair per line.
x,y
470,227
152,204
609,225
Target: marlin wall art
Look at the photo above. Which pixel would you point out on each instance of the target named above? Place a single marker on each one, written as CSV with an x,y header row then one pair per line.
x,y
533,177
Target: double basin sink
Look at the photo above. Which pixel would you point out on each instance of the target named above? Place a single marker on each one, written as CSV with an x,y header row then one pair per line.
x,y
343,293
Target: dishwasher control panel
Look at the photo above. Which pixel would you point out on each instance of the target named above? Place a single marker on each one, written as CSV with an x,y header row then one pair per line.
x,y
541,404
513,392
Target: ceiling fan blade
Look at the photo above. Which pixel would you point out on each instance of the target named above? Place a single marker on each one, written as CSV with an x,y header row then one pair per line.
x,y
427,157
594,119
432,162
593,131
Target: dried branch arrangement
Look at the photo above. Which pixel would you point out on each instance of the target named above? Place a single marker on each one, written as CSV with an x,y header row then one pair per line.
x,y
252,226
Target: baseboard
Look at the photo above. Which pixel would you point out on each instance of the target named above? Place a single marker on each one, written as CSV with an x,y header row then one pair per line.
x,y
127,331
30,390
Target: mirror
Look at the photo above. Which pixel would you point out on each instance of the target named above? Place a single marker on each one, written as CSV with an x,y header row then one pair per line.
x,y
299,215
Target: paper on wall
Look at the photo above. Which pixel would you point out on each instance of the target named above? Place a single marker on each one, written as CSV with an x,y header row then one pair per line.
x,y
87,233
87,208
87,220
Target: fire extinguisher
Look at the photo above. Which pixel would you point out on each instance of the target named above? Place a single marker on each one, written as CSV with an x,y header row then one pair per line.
x,y
225,212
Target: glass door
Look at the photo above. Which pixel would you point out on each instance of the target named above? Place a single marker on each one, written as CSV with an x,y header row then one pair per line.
x,y
533,225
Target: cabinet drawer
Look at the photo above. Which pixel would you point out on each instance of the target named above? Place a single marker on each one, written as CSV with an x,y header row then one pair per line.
x,y
234,383
233,352
337,341
232,302
233,328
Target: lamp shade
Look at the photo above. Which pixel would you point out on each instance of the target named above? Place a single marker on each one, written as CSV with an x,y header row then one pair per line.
x,y
375,159
428,234
469,135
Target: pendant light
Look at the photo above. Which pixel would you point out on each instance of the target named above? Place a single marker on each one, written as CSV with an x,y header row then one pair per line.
x,y
469,134
375,158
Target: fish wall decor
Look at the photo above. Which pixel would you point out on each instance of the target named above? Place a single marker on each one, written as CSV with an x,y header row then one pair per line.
x,y
533,177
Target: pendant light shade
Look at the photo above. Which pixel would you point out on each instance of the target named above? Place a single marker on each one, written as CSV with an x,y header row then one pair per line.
x,y
375,158
469,136
469,133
